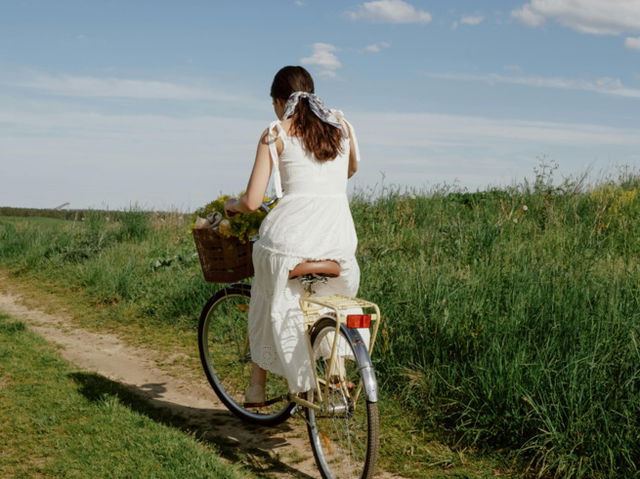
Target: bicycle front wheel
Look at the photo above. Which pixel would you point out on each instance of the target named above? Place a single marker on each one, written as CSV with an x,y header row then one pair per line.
x,y
223,342
345,435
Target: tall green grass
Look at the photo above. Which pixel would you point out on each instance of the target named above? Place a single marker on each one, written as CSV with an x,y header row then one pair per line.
x,y
512,318
511,315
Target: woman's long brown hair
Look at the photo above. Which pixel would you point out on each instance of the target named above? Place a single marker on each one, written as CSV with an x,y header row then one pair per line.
x,y
318,138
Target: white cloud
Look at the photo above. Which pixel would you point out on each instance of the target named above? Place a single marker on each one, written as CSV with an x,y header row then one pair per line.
x,y
92,159
437,130
389,11
632,42
426,148
472,20
324,58
597,17
299,3
528,16
95,87
52,154
604,85
376,47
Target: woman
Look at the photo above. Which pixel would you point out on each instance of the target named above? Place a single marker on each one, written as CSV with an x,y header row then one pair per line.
x,y
311,151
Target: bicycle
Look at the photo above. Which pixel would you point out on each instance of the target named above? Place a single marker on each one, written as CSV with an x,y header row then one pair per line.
x,y
341,410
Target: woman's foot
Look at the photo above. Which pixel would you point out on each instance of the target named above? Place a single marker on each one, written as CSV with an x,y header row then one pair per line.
x,y
336,383
254,394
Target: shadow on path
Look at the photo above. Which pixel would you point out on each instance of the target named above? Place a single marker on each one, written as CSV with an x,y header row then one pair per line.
x,y
236,441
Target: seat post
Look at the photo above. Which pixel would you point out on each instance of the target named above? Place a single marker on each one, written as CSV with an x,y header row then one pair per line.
x,y
310,272
309,280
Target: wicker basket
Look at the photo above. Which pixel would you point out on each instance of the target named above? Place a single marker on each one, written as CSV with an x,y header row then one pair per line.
x,y
223,260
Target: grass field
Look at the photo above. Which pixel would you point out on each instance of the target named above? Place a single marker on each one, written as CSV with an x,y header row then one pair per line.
x,y
512,315
58,422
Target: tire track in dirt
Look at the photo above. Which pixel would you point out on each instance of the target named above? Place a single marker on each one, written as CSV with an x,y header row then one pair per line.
x,y
276,452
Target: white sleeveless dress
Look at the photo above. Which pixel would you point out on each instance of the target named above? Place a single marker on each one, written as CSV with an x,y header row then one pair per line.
x,y
312,221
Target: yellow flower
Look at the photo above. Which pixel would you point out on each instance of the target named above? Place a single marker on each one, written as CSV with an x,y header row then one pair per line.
x,y
613,205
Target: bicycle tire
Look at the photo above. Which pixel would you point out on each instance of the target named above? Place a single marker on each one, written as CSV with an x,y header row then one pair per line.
x,y
345,443
226,359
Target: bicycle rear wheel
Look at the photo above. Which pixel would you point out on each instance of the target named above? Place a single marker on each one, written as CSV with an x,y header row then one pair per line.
x,y
224,352
344,440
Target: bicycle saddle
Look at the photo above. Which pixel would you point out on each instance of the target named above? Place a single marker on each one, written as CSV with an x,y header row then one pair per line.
x,y
327,268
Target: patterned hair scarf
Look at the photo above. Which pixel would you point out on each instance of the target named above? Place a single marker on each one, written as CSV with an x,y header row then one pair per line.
x,y
317,107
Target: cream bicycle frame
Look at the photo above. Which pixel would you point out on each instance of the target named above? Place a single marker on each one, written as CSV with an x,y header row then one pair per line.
x,y
336,306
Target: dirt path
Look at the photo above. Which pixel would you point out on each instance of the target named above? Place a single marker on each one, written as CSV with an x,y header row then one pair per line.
x,y
281,452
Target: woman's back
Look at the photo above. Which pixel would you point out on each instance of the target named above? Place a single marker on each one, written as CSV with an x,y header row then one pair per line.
x,y
312,219
302,174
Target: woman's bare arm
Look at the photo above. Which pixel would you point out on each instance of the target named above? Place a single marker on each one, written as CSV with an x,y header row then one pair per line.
x,y
258,181
353,157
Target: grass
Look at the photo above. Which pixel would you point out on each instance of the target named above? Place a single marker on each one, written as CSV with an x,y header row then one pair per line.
x,y
513,318
511,315
62,423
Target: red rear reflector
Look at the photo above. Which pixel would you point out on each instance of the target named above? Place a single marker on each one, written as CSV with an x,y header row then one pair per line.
x,y
358,320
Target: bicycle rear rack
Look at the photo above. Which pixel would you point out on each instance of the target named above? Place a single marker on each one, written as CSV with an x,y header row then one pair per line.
x,y
314,307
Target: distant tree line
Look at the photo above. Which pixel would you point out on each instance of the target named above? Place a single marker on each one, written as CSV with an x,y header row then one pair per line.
x,y
63,214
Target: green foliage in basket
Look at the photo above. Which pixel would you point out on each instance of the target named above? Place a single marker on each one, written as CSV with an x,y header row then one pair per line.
x,y
243,226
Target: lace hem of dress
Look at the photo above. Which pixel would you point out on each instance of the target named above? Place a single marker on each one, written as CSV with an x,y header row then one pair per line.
x,y
265,358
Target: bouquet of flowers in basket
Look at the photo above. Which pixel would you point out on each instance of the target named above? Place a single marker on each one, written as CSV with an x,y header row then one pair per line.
x,y
242,227
224,244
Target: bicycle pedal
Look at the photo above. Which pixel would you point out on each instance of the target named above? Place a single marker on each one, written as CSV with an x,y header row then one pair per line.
x,y
268,402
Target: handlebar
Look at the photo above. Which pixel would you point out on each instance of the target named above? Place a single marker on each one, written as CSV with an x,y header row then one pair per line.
x,y
266,205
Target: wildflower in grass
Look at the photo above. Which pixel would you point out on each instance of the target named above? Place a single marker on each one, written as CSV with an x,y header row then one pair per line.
x,y
614,206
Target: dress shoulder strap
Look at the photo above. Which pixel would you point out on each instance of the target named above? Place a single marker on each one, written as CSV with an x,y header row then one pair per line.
x,y
275,129
352,133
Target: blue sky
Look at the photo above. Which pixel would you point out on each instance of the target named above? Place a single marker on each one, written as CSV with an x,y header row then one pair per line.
x,y
160,103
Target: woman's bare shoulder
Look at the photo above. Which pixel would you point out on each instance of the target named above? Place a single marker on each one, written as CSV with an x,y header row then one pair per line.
x,y
347,126
264,137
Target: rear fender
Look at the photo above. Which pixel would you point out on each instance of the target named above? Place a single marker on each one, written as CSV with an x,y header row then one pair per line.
x,y
364,360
